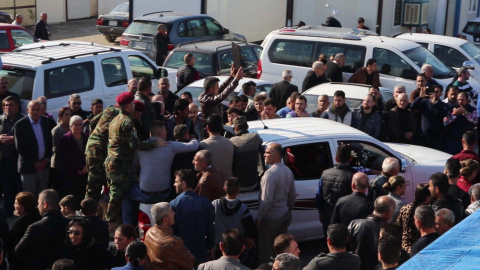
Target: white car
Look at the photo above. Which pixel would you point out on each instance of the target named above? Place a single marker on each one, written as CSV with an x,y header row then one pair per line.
x,y
399,61
57,69
313,143
354,94
472,31
196,88
455,52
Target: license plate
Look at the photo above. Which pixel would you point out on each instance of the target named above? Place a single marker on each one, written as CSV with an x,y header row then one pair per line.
x,y
140,45
112,23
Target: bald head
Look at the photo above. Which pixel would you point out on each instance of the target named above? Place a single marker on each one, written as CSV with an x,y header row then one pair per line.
x,y
360,182
384,207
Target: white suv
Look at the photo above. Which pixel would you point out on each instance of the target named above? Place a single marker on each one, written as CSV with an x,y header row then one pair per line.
x,y
399,61
58,69
313,142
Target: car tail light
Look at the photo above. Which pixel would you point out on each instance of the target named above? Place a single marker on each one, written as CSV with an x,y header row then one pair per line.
x,y
100,22
259,69
169,47
124,42
125,24
144,224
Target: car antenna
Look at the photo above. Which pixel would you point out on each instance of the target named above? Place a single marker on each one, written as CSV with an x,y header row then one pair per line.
x,y
264,126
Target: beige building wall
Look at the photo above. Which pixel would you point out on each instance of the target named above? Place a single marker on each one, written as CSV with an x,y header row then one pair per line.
x,y
54,8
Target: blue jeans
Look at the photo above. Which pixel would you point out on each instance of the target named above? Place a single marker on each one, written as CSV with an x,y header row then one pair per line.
x,y
10,182
132,202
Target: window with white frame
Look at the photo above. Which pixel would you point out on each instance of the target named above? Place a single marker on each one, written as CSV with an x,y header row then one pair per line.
x,y
397,13
472,7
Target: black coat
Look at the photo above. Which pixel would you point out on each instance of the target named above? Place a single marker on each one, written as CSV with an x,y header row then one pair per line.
x,y
354,206
41,30
334,72
160,42
451,203
92,257
40,239
26,143
281,91
312,80
364,235
186,75
98,229
16,233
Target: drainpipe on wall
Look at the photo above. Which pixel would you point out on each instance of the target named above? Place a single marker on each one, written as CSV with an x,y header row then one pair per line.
x,y
203,7
130,11
289,19
379,17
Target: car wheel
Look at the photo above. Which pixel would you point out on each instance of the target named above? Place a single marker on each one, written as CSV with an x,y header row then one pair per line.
x,y
110,38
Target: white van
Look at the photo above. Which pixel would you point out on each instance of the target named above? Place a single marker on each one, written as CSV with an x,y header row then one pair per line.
x,y
399,61
455,52
58,69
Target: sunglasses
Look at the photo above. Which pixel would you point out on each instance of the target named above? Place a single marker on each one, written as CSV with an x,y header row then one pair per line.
x,y
76,233
77,103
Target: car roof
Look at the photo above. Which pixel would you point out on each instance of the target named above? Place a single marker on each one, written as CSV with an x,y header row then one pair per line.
x,y
477,19
352,90
10,26
400,44
37,54
211,45
282,130
199,83
420,37
168,16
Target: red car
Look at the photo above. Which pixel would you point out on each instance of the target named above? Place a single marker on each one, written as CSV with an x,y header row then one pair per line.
x,y
13,36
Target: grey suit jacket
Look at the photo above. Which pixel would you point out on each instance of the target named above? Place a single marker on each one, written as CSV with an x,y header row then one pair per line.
x,y
224,263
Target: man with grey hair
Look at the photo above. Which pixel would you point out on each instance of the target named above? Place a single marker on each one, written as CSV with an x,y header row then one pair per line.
x,y
424,219
33,140
323,103
390,167
18,20
444,220
132,85
281,91
210,179
42,30
365,232
427,69
314,76
391,103
475,199
334,68
165,251
356,205
75,104
286,261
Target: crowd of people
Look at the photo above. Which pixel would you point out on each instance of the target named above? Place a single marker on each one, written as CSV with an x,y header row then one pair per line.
x,y
78,182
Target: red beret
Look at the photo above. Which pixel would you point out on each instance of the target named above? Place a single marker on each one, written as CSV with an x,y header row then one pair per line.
x,y
125,98
139,106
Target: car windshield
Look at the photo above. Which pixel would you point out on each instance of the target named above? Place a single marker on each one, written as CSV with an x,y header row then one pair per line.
x,y
421,56
122,8
195,91
20,81
472,28
472,50
21,37
144,28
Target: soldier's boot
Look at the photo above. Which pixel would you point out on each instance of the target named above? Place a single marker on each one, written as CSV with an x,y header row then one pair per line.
x,y
114,214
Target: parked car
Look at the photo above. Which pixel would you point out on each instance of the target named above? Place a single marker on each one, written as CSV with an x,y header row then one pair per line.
x,y
57,69
14,36
113,24
455,52
181,28
5,17
354,94
399,61
472,31
313,143
214,57
196,88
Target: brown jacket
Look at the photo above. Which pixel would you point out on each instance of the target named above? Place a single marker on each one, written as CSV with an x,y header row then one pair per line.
x,y
360,76
210,184
166,251
213,104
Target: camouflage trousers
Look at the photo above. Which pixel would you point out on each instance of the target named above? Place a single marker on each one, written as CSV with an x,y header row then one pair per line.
x,y
119,177
96,177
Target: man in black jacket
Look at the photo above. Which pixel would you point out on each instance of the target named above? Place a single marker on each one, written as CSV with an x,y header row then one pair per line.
x,y
281,91
160,40
334,68
42,30
33,140
438,186
365,232
356,205
187,74
314,76
40,239
334,184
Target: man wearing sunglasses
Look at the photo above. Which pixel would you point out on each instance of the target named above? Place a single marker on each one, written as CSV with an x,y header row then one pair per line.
x,y
75,103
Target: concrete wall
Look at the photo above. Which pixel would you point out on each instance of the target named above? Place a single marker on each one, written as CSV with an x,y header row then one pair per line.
x,y
54,8
78,9
253,18
146,6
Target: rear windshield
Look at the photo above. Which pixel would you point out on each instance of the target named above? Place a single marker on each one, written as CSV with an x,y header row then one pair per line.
x,y
122,8
203,62
144,28
248,59
472,28
20,81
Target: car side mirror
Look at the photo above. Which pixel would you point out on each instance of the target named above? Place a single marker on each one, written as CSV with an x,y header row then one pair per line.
x,y
469,64
161,73
226,31
403,165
